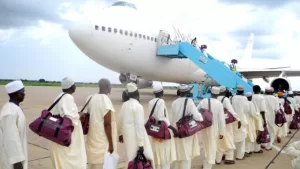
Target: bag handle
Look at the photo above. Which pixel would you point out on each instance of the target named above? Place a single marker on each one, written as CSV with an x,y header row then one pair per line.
x,y
223,99
209,105
152,111
86,104
51,107
281,111
184,107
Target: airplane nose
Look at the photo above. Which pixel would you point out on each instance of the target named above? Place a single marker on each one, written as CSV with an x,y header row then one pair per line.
x,y
80,32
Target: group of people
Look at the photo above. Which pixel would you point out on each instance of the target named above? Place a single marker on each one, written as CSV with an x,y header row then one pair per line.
x,y
253,113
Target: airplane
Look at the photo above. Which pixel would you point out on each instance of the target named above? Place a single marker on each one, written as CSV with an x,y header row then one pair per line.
x,y
125,42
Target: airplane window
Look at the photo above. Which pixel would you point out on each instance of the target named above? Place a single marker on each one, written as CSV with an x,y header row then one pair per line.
x,y
126,33
96,27
109,29
144,36
103,28
135,34
122,3
148,38
115,30
121,31
140,36
130,34
151,38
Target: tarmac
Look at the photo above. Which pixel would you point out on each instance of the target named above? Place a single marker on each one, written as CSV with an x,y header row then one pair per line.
x,y
39,98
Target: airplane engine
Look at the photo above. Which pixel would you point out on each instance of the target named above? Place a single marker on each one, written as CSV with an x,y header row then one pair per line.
x,y
280,84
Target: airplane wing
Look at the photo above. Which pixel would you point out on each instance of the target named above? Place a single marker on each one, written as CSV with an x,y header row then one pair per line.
x,y
274,72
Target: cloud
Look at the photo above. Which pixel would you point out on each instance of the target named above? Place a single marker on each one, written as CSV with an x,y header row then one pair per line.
x,y
266,3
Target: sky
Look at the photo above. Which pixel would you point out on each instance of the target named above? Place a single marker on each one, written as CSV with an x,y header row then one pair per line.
x,y
34,41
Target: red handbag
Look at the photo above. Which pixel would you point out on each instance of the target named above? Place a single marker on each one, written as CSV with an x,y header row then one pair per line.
x,y
140,162
263,137
280,118
229,118
85,118
187,126
207,116
53,127
157,129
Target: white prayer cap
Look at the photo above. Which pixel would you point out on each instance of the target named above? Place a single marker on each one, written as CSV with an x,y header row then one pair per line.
x,y
131,87
157,88
222,88
67,82
183,87
14,86
248,94
240,88
215,90
268,89
272,89
290,92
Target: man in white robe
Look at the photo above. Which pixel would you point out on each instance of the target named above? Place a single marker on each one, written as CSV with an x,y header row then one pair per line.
x,y
131,129
73,156
164,151
226,145
186,148
13,140
272,106
294,107
293,150
211,135
283,131
260,107
102,136
253,119
240,106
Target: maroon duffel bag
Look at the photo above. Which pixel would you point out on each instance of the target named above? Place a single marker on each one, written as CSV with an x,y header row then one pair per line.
x,y
55,128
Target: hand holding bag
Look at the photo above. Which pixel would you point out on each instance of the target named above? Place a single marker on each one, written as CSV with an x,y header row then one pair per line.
x,y
157,129
140,162
229,118
280,118
53,127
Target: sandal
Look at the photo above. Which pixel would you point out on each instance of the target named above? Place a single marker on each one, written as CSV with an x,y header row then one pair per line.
x,y
229,162
258,152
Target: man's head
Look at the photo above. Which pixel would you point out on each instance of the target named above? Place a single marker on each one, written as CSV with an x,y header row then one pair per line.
x,y
104,86
158,90
249,96
16,91
215,91
183,90
240,90
223,90
68,85
268,90
133,91
256,89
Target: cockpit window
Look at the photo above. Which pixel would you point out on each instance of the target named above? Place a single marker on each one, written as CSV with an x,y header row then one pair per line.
x,y
122,3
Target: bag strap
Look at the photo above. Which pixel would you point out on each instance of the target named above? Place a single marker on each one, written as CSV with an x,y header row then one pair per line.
x,y
86,104
184,107
51,107
223,99
209,105
152,111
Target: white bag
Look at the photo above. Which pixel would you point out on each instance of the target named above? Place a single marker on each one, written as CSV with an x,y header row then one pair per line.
x,y
111,160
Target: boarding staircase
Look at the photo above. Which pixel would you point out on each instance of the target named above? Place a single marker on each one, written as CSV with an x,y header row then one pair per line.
x,y
214,68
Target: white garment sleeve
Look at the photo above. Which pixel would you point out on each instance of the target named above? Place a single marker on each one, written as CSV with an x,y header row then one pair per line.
x,y
70,109
263,105
194,111
161,112
221,120
120,121
228,106
11,139
139,124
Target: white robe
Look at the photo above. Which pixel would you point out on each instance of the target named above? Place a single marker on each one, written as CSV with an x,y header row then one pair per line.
x,y
240,106
188,146
14,140
227,142
164,151
259,103
283,131
294,107
293,150
97,143
251,128
272,106
131,126
73,156
211,134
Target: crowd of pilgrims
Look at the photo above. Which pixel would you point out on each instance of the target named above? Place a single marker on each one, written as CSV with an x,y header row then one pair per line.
x,y
254,113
